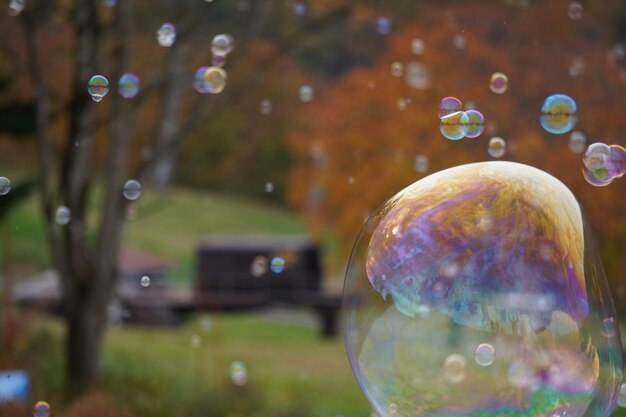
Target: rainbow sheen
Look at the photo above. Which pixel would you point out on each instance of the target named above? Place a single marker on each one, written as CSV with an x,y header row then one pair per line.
x,y
617,161
449,105
98,87
5,185
499,83
558,114
209,80
472,123
277,265
492,253
128,85
166,35
597,178
41,409
451,127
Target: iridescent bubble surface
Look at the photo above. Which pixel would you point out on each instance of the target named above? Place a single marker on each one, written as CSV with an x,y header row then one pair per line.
x,y
496,253
449,105
472,123
558,114
617,161
166,35
278,265
451,127
98,87
5,185
210,80
41,409
499,83
128,86
484,355
132,190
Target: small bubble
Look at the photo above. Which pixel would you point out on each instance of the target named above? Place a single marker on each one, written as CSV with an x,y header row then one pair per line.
x,y
558,114
575,10
448,106
417,46
41,409
397,69
98,87
269,187
5,186
166,35
472,123
621,398
459,41
16,7
577,142
278,265
145,281
218,60
209,80
496,147
577,67
450,126
417,76
401,104
222,44
62,215
608,327
351,180
299,8
132,190
196,341
265,107
383,25
421,163
258,266
306,93
238,373
484,354
499,83
128,85
454,368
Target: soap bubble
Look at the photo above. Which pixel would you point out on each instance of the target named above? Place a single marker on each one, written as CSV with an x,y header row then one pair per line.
x,y
621,399
98,87
577,142
558,114
145,281
269,187
306,93
397,69
265,107
484,354
421,163
218,60
259,266
299,8
417,46
472,123
598,178
132,190
577,67
609,327
575,10
238,373
449,105
166,35
617,161
62,215
496,147
128,86
383,25
222,44
499,82
500,254
41,409
5,186
597,156
417,76
16,7
459,41
450,126
209,80
278,265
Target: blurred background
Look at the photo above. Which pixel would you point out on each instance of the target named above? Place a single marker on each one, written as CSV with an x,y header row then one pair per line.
x,y
176,248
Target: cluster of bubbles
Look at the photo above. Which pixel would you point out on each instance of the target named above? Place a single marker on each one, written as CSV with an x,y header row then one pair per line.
x,y
98,86
41,409
213,79
603,163
238,373
62,215
5,185
455,123
131,190
496,147
558,114
166,35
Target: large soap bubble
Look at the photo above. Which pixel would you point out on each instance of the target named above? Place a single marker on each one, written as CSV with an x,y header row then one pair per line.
x,y
477,291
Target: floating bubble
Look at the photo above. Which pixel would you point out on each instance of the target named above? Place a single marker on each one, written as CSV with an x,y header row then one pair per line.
x,y
417,76
598,178
449,105
621,398
397,69
5,186
41,409
222,44
499,83
617,161
597,156
450,126
577,67
417,46
496,147
383,25
166,35
496,251
558,114
299,8
145,281
128,86
238,373
306,93
459,41
484,354
472,123
269,187
196,341
575,10
209,80
62,215
132,190
401,104
259,266
278,265
454,368
16,7
609,327
98,87
265,107
577,142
